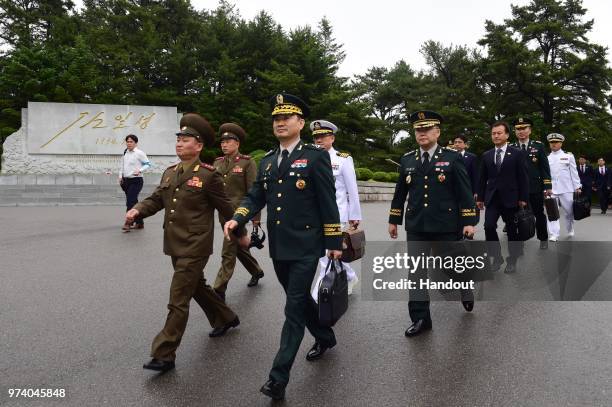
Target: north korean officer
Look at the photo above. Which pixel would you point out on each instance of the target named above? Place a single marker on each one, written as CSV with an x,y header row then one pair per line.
x,y
189,193
296,182
565,182
347,194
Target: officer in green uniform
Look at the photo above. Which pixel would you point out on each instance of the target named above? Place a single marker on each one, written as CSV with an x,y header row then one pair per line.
x,y
239,172
189,192
540,184
296,183
440,206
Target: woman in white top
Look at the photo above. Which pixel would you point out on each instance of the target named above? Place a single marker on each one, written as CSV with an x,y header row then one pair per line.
x,y
133,163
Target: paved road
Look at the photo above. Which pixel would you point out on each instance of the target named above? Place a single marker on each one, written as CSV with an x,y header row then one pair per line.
x,y
81,303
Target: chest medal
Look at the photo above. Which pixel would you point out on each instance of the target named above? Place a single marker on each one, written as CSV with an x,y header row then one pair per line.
x,y
300,184
441,177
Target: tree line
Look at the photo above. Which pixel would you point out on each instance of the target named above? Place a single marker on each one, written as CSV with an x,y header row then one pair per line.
x,y
538,62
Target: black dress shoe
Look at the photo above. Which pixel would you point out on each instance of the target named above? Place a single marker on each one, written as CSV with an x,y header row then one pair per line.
x,y
223,329
273,389
543,244
510,268
496,264
255,280
417,327
159,365
468,305
316,352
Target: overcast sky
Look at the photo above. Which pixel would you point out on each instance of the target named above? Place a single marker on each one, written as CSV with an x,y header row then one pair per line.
x,y
382,32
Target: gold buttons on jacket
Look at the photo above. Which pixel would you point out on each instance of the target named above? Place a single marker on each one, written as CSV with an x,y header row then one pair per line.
x,y
171,210
278,222
425,176
176,189
425,205
174,200
280,181
426,195
278,209
279,195
425,186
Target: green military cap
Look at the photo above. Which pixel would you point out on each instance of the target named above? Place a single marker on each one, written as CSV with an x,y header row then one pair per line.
x,y
233,131
425,118
192,124
522,122
553,137
322,127
285,103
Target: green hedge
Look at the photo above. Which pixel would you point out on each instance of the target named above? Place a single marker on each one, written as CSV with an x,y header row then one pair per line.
x,y
366,174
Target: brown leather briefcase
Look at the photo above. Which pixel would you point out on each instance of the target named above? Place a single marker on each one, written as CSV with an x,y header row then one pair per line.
x,y
552,209
353,245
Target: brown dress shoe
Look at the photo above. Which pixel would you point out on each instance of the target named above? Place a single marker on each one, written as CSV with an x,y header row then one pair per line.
x,y
126,227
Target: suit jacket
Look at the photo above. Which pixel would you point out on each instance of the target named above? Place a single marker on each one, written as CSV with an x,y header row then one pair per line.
x,y
189,201
440,198
538,169
303,218
601,181
586,177
471,165
511,182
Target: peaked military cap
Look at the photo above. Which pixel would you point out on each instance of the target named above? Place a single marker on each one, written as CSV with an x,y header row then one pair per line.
x,y
552,137
232,131
192,124
322,127
522,122
425,118
285,103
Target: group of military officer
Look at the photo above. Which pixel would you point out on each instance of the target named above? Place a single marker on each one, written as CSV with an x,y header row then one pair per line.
x,y
435,195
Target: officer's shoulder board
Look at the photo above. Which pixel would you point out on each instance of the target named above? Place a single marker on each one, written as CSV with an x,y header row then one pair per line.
x,y
343,155
269,153
219,158
410,153
173,166
315,147
449,151
537,142
208,167
245,157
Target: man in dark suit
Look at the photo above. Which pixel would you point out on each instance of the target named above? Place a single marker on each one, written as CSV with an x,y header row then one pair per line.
x,y
602,184
503,188
296,182
460,144
586,174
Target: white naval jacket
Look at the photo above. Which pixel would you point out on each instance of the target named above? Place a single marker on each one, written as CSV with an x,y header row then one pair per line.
x,y
347,195
563,172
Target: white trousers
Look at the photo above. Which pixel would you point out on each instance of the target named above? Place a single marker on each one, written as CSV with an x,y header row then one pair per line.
x,y
566,202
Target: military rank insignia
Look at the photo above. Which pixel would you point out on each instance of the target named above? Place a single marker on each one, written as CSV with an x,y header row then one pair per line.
x,y
268,166
194,182
300,184
441,177
302,163
534,159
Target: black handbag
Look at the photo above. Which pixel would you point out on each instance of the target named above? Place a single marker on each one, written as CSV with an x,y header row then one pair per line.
x,y
524,222
552,209
581,206
333,294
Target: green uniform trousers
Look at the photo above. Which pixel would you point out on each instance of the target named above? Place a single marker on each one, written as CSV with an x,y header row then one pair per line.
x,y
188,282
300,311
230,251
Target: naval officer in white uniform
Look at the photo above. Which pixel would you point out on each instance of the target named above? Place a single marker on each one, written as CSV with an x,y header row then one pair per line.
x,y
347,195
565,181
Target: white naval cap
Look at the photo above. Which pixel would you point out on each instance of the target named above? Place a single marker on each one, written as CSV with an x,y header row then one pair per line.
x,y
320,127
555,137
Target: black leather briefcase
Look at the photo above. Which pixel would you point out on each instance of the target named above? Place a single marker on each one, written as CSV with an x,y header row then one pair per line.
x,y
552,209
333,294
524,222
581,206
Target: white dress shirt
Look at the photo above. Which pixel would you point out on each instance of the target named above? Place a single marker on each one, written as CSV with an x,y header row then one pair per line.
x,y
132,161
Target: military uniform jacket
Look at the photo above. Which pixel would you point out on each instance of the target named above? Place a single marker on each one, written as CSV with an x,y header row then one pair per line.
x,y
440,197
189,201
302,214
239,172
537,166
347,194
564,173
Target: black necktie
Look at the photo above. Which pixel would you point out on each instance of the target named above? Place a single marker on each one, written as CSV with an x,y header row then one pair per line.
x,y
284,161
523,147
425,159
498,159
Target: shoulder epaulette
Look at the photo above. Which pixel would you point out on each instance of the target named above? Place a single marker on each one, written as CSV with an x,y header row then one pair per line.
x,y
219,158
537,141
311,146
245,157
173,166
343,155
209,167
270,152
409,153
